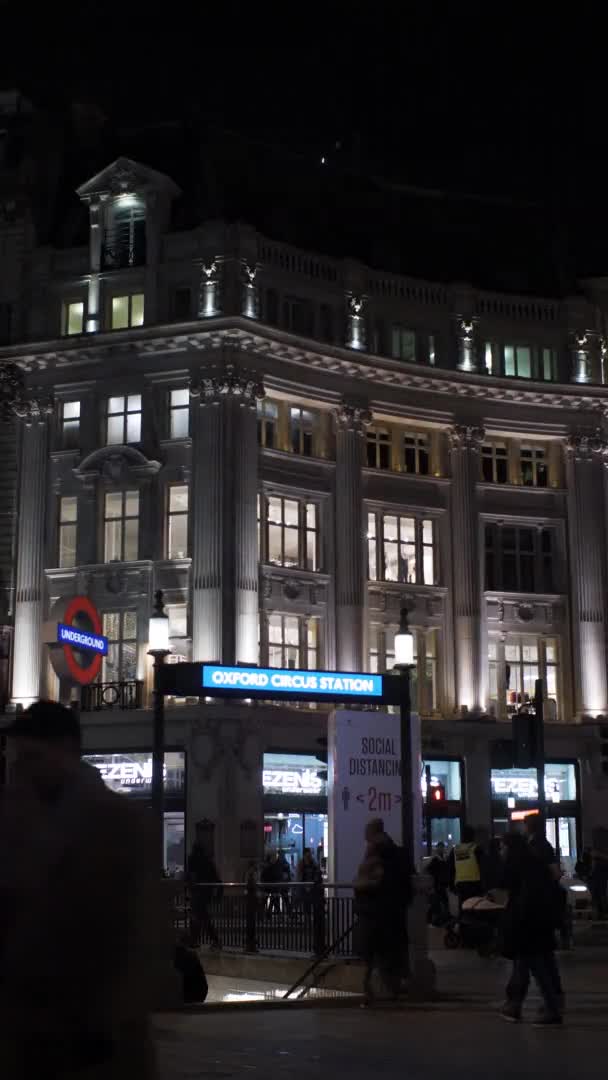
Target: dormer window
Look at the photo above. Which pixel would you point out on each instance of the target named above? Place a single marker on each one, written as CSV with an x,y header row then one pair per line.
x,y
124,242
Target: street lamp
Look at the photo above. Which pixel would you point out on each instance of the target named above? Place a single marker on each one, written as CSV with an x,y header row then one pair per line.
x,y
158,640
404,659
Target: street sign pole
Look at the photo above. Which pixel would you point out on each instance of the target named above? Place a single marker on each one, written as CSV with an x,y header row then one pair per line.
x,y
540,752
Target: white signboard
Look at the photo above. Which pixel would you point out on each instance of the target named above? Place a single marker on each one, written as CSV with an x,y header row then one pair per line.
x,y
365,783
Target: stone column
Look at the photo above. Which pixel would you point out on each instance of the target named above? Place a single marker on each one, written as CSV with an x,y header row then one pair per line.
x,y
93,319
207,515
586,529
350,534
246,393
467,345
29,591
465,445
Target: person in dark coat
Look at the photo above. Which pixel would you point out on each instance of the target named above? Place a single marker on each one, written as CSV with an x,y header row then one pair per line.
x,y
272,876
528,931
382,896
203,873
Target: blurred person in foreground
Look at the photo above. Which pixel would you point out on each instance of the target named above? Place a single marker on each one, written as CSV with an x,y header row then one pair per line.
x,y
531,917
85,940
383,892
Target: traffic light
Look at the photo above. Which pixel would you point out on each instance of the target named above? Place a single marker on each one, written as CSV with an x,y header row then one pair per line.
x,y
437,793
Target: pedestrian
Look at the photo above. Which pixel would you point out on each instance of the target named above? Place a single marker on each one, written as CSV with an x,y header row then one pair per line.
x,y
272,877
308,874
466,867
86,944
382,896
528,931
206,887
439,872
543,850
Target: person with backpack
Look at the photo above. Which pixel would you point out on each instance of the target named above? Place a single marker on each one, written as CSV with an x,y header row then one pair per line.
x,y
382,896
531,917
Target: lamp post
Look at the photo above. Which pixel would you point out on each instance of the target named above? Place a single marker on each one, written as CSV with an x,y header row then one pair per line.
x,y
158,640
404,659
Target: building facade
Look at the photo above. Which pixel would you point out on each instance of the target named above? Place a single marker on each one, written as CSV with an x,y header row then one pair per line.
x,y
293,448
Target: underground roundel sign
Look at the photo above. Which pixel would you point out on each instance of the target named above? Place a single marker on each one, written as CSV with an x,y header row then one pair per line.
x,y
77,643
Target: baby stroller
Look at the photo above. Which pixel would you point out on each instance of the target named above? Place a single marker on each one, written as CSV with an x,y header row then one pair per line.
x,y
476,927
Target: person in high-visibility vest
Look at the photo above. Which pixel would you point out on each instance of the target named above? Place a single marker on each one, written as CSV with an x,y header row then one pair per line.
x,y
466,866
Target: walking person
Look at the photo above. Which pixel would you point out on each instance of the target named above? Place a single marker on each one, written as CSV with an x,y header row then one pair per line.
x,y
85,938
382,896
206,886
528,932
308,874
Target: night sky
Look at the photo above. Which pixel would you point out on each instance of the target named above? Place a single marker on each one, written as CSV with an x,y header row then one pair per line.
x,y
483,99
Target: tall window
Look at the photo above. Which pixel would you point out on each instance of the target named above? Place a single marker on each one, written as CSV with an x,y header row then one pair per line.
x,y
288,532
378,449
519,558
178,631
72,317
268,422
70,424
177,522
123,420
495,463
533,466
121,525
179,413
548,365
423,674
301,423
403,343
68,518
120,628
401,549
290,641
526,362
127,311
416,453
518,361
514,666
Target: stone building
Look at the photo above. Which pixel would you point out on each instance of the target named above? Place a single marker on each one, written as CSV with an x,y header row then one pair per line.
x,y
293,447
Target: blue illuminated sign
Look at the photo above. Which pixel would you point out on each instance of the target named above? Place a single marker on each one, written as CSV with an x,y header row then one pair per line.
x,y
274,682
82,639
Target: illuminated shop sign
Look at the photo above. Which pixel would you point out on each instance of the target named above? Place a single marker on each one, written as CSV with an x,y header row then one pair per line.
x,y
132,773
525,787
292,782
275,682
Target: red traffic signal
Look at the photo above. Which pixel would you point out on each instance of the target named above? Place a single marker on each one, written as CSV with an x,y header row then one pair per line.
x,y
438,793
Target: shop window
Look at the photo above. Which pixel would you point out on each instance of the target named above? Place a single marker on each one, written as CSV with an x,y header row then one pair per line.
x,y
70,425
127,311
514,665
533,466
416,453
403,343
294,774
378,448
401,549
68,521
120,628
301,428
121,526
179,413
268,423
177,521
560,783
423,673
290,641
123,420
288,532
519,559
72,317
494,463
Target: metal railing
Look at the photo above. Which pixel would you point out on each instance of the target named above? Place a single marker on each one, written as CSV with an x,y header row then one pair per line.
x,y
297,918
127,694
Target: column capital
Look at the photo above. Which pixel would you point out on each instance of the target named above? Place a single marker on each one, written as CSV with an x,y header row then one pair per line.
x,y
35,408
215,385
586,446
466,437
351,417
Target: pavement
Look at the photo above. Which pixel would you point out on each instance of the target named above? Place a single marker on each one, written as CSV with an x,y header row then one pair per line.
x,y
461,1033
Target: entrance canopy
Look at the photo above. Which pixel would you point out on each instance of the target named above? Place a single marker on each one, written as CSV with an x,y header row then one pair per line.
x,y
218,680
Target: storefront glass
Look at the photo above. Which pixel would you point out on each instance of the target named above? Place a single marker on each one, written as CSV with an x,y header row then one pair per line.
x,y
295,807
560,783
515,791
446,773
130,774
446,816
288,834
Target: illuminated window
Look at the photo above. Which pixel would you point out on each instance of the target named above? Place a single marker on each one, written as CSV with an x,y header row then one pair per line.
x,y
72,317
519,558
378,448
533,466
514,665
121,526
548,365
120,628
178,630
423,673
177,522
518,361
123,420
401,548
70,425
301,422
403,344
288,532
489,354
416,453
179,413
290,641
268,422
494,463
431,349
68,518
127,311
